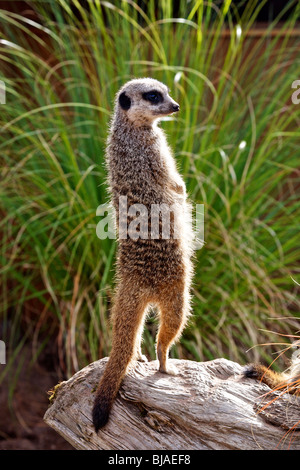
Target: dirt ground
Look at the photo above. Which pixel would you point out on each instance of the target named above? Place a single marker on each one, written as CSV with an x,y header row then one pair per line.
x,y
21,415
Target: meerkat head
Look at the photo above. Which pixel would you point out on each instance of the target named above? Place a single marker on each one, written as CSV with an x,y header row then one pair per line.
x,y
144,100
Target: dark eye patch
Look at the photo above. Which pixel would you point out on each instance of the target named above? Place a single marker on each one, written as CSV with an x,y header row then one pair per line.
x,y
154,97
125,101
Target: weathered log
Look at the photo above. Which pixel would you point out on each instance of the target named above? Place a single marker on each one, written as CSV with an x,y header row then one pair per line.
x,y
208,405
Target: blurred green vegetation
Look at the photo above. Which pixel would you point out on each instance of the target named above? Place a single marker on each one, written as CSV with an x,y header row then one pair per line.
x,y
236,141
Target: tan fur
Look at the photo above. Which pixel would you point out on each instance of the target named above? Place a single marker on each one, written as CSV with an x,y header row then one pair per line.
x,y
149,271
288,381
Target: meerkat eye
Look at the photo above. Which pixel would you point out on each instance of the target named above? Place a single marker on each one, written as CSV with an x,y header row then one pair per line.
x,y
154,97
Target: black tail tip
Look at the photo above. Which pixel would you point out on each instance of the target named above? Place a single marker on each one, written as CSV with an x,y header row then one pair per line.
x,y
251,371
100,416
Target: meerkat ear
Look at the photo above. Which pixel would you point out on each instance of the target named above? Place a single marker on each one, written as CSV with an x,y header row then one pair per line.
x,y
125,101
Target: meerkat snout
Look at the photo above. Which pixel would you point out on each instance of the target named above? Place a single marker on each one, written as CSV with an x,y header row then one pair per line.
x,y
145,100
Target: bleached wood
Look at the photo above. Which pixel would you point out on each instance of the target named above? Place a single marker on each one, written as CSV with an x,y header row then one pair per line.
x,y
209,405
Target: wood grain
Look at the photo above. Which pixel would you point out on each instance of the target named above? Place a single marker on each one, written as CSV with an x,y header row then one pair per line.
x,y
209,405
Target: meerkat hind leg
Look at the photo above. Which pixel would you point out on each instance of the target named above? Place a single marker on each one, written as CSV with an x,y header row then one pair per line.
x,y
164,365
173,317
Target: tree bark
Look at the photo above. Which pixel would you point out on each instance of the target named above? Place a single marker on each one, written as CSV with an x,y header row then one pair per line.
x,y
207,405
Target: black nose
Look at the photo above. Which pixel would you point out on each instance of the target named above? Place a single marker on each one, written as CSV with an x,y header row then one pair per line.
x,y
175,107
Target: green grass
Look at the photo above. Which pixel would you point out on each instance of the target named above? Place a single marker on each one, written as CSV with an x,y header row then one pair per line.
x,y
236,141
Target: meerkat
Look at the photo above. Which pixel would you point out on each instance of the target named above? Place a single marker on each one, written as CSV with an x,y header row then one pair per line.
x,y
288,381
149,270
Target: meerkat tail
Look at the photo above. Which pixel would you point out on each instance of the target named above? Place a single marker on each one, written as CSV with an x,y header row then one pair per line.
x,y
128,316
269,377
275,380
108,389
110,383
